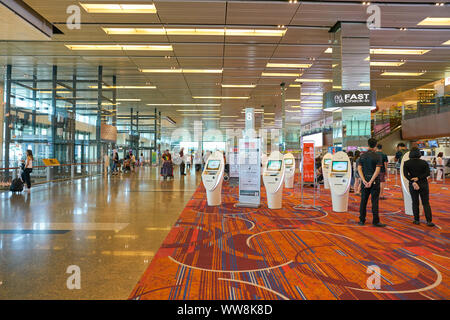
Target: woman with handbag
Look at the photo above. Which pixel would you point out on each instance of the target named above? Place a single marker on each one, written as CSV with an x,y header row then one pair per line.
x,y
28,168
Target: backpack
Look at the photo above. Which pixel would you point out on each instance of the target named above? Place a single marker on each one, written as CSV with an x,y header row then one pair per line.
x,y
16,185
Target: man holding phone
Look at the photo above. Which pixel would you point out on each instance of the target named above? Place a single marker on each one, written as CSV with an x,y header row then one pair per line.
x,y
369,168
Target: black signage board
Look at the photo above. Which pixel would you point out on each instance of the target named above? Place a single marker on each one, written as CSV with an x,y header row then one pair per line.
x,y
349,98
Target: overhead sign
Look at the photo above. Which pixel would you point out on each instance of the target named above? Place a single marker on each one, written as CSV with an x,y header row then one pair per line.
x,y
308,162
249,172
50,162
349,98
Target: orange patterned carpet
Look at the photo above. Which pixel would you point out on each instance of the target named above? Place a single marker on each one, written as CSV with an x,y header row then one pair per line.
x,y
228,253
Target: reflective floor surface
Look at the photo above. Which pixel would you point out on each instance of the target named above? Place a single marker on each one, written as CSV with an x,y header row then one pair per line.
x,y
110,227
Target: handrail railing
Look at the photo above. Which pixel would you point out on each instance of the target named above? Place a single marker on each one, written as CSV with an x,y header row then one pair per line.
x,y
53,173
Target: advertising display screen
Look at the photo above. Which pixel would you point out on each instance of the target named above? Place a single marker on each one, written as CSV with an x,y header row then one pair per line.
x,y
274,165
327,161
289,162
213,165
432,144
339,166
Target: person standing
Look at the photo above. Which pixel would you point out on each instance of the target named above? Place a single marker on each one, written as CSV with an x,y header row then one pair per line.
x,y
401,150
384,160
417,172
182,164
28,168
115,161
369,168
440,166
141,160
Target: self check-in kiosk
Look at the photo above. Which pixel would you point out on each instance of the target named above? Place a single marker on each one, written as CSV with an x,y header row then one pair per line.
x,y
212,178
339,177
326,167
289,171
273,179
405,187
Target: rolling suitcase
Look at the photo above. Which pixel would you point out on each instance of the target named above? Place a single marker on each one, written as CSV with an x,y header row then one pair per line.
x,y
16,185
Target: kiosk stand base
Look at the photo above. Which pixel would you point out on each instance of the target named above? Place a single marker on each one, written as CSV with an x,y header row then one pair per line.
x,y
246,205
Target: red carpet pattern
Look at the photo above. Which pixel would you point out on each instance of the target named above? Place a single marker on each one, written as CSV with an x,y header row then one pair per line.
x,y
230,253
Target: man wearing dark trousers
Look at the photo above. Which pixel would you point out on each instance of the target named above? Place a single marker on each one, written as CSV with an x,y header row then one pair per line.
x,y
417,172
369,169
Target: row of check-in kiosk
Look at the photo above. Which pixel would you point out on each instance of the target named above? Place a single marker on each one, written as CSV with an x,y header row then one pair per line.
x,y
279,172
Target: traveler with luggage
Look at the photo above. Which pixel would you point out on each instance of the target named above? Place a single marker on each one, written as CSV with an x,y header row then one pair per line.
x,y
27,169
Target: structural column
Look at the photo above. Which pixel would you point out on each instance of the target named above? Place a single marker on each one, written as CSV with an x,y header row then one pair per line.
x,y
54,112
351,74
74,115
99,112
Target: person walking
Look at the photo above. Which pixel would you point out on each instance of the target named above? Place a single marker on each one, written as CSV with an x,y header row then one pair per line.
x,y
369,168
27,169
182,164
417,172
384,160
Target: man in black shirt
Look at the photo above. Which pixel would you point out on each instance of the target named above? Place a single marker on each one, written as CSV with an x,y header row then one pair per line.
x,y
369,168
417,171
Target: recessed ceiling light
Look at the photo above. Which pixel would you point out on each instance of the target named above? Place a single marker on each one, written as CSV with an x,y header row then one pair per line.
x,y
199,110
398,51
118,8
116,47
124,87
238,85
129,100
197,32
289,65
386,63
329,50
185,104
243,98
181,70
446,43
411,74
280,74
313,80
429,21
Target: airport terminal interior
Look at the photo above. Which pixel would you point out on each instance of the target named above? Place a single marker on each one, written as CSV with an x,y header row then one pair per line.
x,y
224,150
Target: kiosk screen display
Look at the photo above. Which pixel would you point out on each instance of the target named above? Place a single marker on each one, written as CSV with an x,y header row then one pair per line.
x,y
213,165
274,165
327,162
289,162
339,166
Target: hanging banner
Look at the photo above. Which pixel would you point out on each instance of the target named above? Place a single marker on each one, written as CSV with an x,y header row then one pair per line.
x,y
308,161
249,172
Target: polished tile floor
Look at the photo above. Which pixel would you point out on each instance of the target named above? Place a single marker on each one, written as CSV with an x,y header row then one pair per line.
x,y
110,227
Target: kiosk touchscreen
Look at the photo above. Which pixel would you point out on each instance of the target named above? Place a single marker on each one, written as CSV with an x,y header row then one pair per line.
x,y
289,175
405,187
326,167
212,178
339,178
273,178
